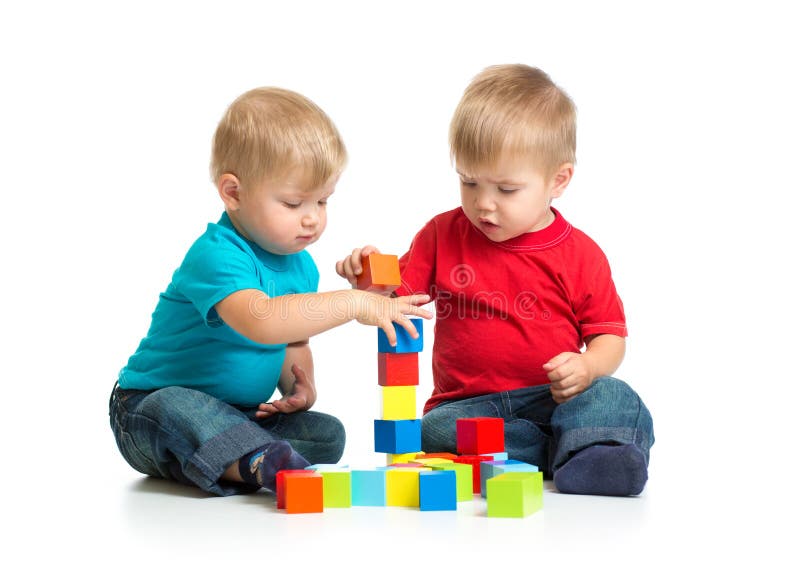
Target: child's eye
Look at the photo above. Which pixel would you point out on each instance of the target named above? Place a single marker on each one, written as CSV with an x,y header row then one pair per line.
x,y
323,202
467,184
507,190
291,205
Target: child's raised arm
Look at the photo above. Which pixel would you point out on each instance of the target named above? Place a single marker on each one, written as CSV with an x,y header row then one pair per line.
x,y
293,318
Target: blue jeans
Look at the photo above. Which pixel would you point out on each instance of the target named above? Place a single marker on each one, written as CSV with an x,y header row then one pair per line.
x,y
539,431
188,436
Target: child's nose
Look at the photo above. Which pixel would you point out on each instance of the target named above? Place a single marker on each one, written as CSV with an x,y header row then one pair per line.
x,y
484,201
310,218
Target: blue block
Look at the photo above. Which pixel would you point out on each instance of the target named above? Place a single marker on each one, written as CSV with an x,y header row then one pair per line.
x,y
491,469
437,490
405,343
398,436
368,487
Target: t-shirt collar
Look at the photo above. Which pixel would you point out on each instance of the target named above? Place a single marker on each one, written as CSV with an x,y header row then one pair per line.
x,y
546,238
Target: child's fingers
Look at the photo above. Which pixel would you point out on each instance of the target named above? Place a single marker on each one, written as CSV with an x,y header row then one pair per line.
x,y
391,335
355,261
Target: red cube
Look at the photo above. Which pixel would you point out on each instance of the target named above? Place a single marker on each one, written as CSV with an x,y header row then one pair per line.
x,y
477,436
398,369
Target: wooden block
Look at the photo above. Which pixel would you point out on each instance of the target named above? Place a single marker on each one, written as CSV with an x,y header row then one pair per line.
x,y
432,462
336,488
398,436
450,456
463,471
437,490
303,493
475,461
402,486
398,369
491,469
280,489
514,494
477,436
398,402
405,343
379,273
392,458
368,487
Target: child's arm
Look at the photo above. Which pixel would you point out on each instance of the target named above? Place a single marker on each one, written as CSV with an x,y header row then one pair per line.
x,y
571,373
296,383
288,319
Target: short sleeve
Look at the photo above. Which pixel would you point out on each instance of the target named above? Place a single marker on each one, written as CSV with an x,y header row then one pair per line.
x,y
418,265
213,269
598,307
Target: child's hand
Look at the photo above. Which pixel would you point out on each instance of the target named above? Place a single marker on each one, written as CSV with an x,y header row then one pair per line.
x,y
381,311
350,266
302,396
569,374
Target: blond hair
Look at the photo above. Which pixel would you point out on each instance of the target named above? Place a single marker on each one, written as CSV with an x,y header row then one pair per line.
x,y
270,133
517,111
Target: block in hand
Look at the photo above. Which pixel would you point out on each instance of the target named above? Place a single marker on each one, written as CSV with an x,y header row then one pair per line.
x,y
379,274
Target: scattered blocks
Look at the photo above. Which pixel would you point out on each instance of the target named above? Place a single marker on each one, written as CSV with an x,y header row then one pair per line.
x,y
336,488
437,490
514,494
464,489
303,493
398,436
398,369
477,436
280,484
393,459
398,402
405,343
475,462
379,273
368,487
450,456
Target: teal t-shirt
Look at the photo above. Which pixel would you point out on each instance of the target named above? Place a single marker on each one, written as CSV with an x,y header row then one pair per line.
x,y
189,345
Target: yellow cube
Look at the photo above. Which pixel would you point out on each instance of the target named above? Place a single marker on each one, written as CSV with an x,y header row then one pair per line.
x,y
398,403
402,486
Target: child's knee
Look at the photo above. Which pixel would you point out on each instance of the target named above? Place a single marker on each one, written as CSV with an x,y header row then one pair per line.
x,y
438,431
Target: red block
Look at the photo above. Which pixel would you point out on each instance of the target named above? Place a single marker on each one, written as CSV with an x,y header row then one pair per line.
x,y
476,436
475,461
398,369
280,484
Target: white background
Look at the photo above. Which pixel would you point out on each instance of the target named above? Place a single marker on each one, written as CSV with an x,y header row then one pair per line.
x,y
686,176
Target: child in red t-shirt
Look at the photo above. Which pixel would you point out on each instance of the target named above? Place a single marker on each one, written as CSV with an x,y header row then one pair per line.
x,y
519,292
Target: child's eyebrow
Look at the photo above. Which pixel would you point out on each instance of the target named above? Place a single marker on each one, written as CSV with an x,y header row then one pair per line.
x,y
504,181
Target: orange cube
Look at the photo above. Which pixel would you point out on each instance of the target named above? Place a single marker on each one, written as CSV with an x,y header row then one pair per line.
x,y
303,493
379,273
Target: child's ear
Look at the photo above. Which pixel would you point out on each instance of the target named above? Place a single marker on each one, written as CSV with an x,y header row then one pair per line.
x,y
229,189
561,179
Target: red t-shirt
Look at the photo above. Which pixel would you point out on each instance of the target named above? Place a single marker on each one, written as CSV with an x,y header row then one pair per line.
x,y
504,309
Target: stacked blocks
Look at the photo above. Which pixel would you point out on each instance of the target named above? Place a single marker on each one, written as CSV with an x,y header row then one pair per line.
x,y
379,274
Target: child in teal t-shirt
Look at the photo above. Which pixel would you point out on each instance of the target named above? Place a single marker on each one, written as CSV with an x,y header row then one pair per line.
x,y
193,402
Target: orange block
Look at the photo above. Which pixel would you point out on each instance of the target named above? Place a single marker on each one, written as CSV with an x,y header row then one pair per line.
x,y
303,493
379,273
449,456
280,484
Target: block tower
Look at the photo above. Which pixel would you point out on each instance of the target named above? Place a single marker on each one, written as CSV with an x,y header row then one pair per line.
x,y
398,431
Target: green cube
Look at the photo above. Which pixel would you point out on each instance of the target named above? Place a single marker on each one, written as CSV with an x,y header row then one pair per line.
x,y
463,479
514,494
336,489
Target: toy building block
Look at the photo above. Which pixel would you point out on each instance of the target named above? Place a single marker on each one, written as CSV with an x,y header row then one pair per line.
x,y
491,469
477,436
379,273
398,369
398,402
327,467
475,461
336,488
437,490
280,487
398,436
501,456
464,490
450,456
402,486
432,461
405,343
392,459
514,494
303,493
368,487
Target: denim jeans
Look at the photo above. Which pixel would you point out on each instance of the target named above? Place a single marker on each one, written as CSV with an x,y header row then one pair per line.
x,y
188,436
539,431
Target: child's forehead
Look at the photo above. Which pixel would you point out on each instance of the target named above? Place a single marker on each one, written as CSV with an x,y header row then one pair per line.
x,y
298,182
501,172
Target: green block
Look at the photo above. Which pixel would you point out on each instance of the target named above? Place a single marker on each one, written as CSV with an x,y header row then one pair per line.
x,y
336,489
463,479
514,494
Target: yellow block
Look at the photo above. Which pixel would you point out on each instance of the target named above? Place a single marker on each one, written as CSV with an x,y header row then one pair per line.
x,y
402,486
398,402
433,461
392,458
